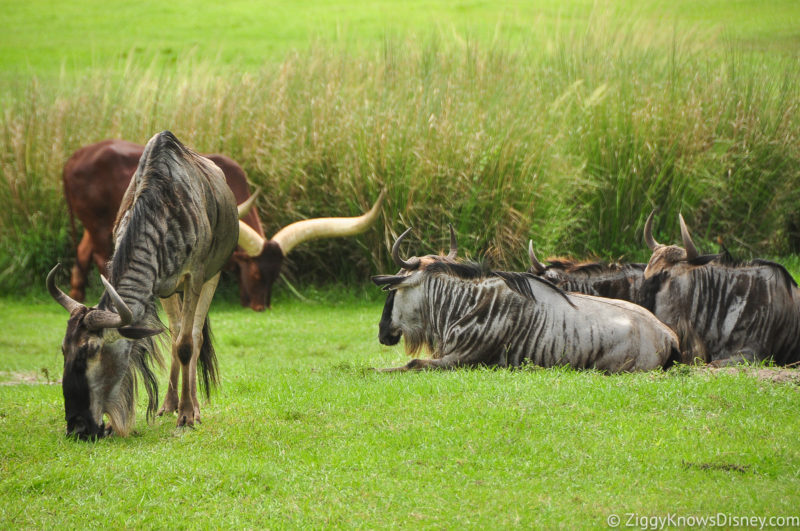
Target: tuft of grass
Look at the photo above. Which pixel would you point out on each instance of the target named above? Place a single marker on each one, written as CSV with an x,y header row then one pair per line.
x,y
571,144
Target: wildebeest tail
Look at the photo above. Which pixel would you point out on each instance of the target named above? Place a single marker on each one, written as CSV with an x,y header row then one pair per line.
x,y
207,360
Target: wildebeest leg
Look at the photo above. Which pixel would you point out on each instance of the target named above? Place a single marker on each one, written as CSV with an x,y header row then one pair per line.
x,y
190,340
450,361
80,271
172,307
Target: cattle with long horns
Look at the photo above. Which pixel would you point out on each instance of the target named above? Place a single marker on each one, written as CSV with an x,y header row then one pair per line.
x,y
723,311
96,176
612,280
176,228
466,315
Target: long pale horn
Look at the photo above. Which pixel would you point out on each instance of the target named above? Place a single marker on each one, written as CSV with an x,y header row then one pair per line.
x,y
648,232
537,266
248,203
249,240
62,298
292,235
453,243
99,319
688,244
413,263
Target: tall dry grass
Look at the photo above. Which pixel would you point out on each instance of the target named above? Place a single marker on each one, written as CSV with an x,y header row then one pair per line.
x,y
571,145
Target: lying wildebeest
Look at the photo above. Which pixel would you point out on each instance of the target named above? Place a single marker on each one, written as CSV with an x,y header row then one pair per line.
x,y
610,280
466,315
95,179
723,311
176,228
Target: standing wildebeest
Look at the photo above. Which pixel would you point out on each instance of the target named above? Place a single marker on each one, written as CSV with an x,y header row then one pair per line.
x,y
95,179
176,228
466,315
610,280
723,311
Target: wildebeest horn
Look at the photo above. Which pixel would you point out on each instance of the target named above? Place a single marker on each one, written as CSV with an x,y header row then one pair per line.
x,y
99,319
413,263
453,243
292,235
248,203
249,240
535,264
688,244
62,298
648,232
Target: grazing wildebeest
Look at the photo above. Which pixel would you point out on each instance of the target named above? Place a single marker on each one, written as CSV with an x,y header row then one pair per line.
x,y
95,179
176,228
466,315
610,280
723,311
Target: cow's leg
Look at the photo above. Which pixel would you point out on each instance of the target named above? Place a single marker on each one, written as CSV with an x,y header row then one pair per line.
x,y
196,303
172,307
80,271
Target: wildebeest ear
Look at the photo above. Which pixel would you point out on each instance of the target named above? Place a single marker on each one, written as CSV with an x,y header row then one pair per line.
x,y
135,332
388,281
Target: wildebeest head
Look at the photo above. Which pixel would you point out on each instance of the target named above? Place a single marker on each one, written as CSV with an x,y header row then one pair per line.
x,y
400,312
260,263
665,257
99,361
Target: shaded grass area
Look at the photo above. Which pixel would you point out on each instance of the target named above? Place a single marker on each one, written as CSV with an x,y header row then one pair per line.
x,y
301,433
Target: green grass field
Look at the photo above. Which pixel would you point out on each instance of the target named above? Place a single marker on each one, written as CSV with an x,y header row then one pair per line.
x,y
43,36
564,122
302,434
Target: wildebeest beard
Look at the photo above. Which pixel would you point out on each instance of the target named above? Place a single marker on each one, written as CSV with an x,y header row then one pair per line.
x,y
385,335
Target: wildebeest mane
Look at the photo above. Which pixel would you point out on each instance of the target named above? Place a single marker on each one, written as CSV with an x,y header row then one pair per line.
x,y
517,282
571,266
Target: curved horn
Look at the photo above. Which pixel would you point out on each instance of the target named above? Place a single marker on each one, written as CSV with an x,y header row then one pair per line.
x,y
250,240
62,298
537,266
453,243
688,244
99,319
292,235
648,232
413,263
248,203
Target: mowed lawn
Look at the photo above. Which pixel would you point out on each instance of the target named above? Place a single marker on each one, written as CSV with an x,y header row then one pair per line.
x,y
44,36
301,433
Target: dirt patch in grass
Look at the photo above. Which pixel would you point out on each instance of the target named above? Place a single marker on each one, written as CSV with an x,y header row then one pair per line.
x,y
772,374
27,378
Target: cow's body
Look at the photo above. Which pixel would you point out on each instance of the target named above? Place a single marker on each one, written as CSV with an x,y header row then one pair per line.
x,y
95,179
177,226
466,315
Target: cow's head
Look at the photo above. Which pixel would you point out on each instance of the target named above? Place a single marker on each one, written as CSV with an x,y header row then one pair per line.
x,y
99,376
668,257
260,261
401,313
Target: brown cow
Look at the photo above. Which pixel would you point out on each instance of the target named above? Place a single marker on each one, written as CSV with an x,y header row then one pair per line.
x,y
95,179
